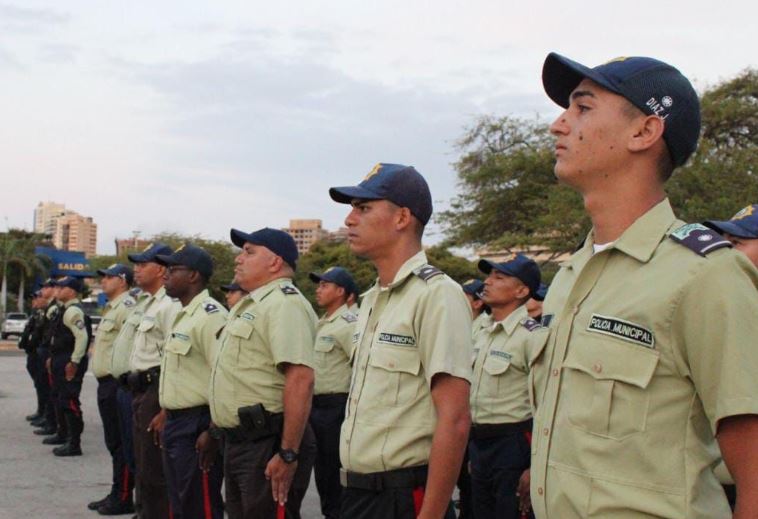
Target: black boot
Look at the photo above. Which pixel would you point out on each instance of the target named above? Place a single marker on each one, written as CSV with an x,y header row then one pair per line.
x,y
38,422
33,416
54,440
46,430
116,507
75,425
94,505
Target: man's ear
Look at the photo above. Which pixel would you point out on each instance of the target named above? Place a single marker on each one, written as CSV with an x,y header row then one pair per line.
x,y
403,218
647,131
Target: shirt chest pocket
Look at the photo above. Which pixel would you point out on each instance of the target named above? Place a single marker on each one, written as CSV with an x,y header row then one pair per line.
x,y
393,377
537,365
106,327
240,331
324,345
496,365
606,386
146,325
177,348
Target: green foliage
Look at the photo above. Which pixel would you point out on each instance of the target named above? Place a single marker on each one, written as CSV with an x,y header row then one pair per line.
x,y
458,268
19,265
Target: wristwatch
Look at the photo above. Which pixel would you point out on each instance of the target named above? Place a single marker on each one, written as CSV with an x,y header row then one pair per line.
x,y
288,455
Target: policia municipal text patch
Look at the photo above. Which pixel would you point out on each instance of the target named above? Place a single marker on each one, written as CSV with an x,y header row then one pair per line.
x,y
622,329
397,340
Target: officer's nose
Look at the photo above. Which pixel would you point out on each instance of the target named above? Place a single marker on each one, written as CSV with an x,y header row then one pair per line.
x,y
559,126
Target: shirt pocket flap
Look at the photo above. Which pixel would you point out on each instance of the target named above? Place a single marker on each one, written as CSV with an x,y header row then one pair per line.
x,y
241,328
612,360
106,325
178,346
324,344
403,360
495,364
146,325
537,342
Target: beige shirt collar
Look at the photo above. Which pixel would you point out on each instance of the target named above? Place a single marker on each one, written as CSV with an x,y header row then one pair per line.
x,y
337,313
512,321
195,303
259,293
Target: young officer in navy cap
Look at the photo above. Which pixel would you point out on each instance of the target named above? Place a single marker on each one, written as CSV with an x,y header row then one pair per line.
x,y
115,281
407,418
741,230
636,381
262,382
70,336
333,350
500,410
193,477
233,292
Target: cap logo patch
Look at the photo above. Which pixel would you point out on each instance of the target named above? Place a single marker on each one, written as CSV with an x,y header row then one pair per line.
x,y
616,60
667,101
744,213
180,248
659,108
147,248
328,270
113,266
373,171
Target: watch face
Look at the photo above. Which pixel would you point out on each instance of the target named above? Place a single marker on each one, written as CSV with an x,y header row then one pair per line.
x,y
288,455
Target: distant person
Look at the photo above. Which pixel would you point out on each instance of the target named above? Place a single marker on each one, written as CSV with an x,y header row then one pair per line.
x,y
472,288
49,422
30,338
534,305
234,293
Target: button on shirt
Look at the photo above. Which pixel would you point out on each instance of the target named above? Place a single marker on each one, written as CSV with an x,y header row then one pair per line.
x,y
114,315
272,325
499,393
332,351
124,343
650,346
406,333
153,330
189,353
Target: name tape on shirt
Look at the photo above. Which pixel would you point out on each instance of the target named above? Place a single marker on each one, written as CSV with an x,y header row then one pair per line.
x,y
622,329
397,340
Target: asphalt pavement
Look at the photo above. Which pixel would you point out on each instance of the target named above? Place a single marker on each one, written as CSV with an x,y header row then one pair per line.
x,y
36,484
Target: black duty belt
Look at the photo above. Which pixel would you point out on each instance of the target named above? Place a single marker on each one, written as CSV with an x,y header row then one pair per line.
x,y
412,477
106,378
242,434
330,400
173,414
486,431
140,381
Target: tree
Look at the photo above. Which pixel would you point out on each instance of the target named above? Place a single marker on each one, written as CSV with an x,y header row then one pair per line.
x,y
20,265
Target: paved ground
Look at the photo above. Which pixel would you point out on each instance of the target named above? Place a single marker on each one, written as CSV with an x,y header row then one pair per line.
x,y
33,482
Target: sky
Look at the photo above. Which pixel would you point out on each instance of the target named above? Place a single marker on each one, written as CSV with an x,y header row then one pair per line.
x,y
195,117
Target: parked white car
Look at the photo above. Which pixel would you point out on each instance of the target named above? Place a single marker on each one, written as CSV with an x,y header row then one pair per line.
x,y
14,324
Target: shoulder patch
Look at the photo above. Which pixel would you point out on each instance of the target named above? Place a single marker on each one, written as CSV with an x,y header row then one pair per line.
x,y
79,324
350,317
128,302
699,238
210,308
427,272
288,290
530,324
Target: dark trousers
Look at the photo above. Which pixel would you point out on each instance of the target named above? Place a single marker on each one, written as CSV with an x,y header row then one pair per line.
x,y
150,481
107,403
465,507
326,419
126,426
248,493
67,395
193,494
33,368
44,384
390,503
496,466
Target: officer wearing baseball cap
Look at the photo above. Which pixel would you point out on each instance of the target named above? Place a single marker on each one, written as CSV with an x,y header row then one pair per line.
x,y
233,293
70,335
636,381
49,425
262,381
189,452
500,409
115,281
333,349
479,310
741,230
407,416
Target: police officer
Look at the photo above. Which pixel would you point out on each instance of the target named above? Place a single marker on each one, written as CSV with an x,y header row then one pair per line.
x,y
500,409
407,417
148,418
28,342
333,349
49,424
472,288
534,305
650,357
262,382
116,281
194,480
233,293
70,335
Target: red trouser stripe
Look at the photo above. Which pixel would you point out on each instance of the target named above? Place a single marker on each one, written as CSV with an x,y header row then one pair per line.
x,y
73,407
206,497
528,435
170,512
125,484
280,511
418,499
49,379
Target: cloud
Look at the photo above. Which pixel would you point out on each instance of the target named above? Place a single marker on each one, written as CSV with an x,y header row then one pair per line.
x,y
24,19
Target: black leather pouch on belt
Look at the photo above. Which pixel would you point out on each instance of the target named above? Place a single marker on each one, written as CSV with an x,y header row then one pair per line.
x,y
255,423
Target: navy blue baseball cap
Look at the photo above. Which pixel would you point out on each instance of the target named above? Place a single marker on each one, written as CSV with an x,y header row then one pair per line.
x,y
401,185
190,256
76,284
232,287
118,270
278,242
518,266
653,86
473,287
151,251
337,275
541,293
37,293
744,224
49,282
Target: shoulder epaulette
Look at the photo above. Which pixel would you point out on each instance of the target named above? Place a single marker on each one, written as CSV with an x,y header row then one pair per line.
x,y
699,238
530,324
350,317
288,289
210,308
128,302
427,272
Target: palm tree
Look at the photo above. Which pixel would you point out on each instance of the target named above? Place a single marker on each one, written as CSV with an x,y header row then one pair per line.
x,y
17,250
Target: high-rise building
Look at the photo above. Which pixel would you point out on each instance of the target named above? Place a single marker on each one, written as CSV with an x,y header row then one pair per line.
x,y
75,232
44,216
306,233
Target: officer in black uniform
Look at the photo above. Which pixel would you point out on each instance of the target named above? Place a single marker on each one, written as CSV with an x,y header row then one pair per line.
x,y
28,342
71,331
53,424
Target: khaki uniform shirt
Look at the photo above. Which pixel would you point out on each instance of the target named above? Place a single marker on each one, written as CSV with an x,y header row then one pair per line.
x,y
124,343
407,332
333,349
190,352
73,319
499,392
649,346
272,325
481,322
153,330
114,315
